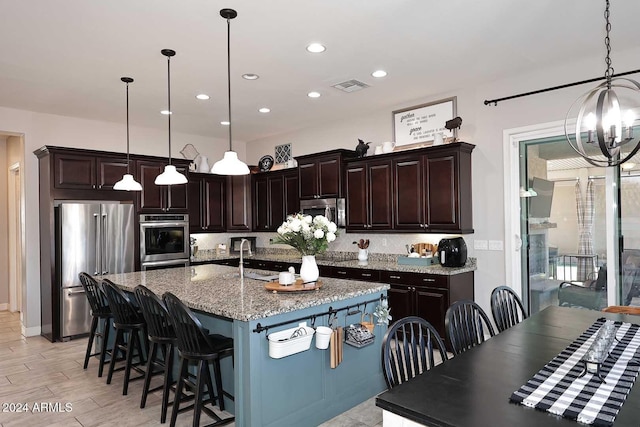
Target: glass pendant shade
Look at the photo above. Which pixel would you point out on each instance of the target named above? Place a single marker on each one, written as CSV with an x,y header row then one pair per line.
x,y
230,165
127,183
170,176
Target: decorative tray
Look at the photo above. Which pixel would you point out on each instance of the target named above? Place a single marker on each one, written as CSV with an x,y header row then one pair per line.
x,y
298,286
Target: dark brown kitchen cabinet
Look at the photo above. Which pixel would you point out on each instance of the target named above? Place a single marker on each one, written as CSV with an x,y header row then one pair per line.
x,y
401,301
432,190
160,198
291,198
238,203
368,201
426,295
76,171
206,203
275,195
320,175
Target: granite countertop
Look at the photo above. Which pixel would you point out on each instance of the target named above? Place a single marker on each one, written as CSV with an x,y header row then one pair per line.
x,y
218,290
388,264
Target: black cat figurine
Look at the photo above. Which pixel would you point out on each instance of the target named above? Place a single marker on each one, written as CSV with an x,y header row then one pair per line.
x,y
362,147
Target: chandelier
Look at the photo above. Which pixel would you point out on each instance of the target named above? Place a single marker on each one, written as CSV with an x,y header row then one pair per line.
x,y
601,121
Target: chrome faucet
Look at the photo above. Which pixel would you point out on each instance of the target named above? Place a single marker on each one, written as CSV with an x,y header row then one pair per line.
x,y
241,265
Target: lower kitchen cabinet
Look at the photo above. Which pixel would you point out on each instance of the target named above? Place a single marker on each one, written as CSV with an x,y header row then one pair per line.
x,y
426,295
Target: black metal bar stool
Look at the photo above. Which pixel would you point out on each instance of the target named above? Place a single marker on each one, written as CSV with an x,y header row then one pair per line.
x,y
100,313
195,345
161,336
129,323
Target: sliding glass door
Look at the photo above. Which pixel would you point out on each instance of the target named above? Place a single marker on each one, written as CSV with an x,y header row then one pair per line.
x,y
571,213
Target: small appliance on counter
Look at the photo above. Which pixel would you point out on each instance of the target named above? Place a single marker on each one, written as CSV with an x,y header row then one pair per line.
x,y
452,252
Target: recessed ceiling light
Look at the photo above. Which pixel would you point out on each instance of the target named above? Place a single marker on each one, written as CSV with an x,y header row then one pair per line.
x,y
316,48
379,73
166,112
264,110
250,76
202,96
313,94
225,123
628,166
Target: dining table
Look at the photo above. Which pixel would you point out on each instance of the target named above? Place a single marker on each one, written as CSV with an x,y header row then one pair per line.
x,y
473,389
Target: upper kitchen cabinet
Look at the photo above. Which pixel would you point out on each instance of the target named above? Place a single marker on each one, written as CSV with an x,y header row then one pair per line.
x,y
275,195
160,198
369,186
81,171
238,203
206,202
432,189
320,175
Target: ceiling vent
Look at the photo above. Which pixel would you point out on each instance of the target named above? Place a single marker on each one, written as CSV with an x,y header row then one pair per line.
x,y
351,86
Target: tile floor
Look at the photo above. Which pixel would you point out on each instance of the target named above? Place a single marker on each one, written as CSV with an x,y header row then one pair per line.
x,y
35,371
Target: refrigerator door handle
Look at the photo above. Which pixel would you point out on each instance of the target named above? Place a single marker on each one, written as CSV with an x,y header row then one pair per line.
x,y
76,293
97,243
103,245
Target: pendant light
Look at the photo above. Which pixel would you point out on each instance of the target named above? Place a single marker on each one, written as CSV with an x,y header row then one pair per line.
x,y
127,183
601,119
230,164
170,176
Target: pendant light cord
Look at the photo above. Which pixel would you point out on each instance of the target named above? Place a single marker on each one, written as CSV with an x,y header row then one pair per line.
x,y
169,101
128,128
229,77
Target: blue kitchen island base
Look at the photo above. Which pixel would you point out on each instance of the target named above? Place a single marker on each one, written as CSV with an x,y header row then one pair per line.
x,y
295,390
301,389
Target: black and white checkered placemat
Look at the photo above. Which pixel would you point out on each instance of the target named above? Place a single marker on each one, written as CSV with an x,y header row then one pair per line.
x,y
558,388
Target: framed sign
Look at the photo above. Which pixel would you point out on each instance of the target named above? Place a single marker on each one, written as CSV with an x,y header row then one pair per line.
x,y
416,126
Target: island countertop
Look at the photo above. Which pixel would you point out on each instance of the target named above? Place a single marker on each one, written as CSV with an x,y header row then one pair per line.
x,y
218,290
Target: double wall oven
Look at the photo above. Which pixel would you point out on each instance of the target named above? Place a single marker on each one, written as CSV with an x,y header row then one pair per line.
x,y
164,241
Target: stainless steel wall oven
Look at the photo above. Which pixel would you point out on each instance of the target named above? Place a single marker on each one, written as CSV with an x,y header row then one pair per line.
x,y
164,240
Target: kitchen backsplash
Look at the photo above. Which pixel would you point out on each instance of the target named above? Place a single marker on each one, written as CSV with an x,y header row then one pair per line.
x,y
379,243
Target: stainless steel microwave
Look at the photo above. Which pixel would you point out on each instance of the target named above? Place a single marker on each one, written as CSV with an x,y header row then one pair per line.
x,y
333,209
164,237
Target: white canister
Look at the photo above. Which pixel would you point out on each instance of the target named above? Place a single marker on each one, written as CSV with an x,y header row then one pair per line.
x,y
323,337
286,278
438,138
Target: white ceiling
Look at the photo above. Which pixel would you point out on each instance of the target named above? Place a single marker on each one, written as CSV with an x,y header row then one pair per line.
x,y
66,57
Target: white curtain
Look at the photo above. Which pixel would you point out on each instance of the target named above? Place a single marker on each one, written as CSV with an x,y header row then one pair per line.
x,y
585,211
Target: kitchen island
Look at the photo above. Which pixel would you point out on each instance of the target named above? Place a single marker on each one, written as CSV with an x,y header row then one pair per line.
x,y
297,390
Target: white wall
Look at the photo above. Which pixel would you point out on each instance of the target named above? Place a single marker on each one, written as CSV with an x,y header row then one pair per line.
x,y
46,129
482,125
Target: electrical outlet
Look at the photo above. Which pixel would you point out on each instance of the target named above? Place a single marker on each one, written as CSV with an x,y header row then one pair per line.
x,y
496,245
384,241
480,245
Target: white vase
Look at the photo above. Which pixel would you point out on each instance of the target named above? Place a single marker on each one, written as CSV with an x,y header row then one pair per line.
x,y
309,270
203,165
363,254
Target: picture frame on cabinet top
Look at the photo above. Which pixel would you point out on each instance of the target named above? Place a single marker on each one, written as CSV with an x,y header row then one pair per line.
x,y
416,126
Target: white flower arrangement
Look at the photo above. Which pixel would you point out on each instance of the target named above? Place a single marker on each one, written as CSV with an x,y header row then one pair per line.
x,y
310,236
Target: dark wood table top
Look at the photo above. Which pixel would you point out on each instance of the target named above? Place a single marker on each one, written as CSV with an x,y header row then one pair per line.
x,y
473,388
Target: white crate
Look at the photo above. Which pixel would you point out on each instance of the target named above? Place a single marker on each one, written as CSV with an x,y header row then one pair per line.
x,y
283,343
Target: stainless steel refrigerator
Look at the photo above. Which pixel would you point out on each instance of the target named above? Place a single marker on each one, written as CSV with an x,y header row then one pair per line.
x,y
94,237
